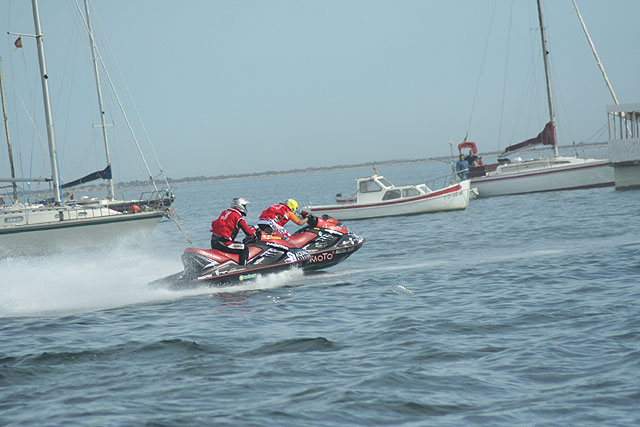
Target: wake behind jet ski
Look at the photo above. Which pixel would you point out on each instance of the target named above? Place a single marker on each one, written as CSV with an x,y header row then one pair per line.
x,y
214,268
327,240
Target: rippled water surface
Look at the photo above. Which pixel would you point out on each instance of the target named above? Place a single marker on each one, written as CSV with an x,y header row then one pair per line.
x,y
519,310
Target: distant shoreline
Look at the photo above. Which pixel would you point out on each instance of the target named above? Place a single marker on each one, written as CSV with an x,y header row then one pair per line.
x,y
303,171
396,162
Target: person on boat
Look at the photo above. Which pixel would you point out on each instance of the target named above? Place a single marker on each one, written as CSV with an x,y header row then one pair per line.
x,y
472,159
462,167
276,216
480,162
225,229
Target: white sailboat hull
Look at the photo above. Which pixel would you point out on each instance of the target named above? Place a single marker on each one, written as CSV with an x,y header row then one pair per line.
x,y
59,225
454,197
539,175
44,232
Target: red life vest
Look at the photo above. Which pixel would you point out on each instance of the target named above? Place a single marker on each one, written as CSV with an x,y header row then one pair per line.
x,y
277,212
228,224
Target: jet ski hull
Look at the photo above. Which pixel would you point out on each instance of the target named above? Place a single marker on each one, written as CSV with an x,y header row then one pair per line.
x,y
328,241
211,267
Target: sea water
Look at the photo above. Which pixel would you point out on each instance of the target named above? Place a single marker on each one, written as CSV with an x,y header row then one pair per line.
x,y
519,310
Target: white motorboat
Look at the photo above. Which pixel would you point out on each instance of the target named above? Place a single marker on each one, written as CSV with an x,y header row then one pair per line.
x,y
552,173
377,197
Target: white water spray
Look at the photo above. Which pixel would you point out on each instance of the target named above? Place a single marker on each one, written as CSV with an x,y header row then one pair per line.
x,y
65,284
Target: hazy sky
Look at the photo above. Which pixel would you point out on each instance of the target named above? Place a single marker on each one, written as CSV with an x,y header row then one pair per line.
x,y
226,87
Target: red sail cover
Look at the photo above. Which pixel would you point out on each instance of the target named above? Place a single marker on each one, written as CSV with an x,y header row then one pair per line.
x,y
546,137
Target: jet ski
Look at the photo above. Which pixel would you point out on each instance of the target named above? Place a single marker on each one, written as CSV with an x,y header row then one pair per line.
x,y
327,240
267,254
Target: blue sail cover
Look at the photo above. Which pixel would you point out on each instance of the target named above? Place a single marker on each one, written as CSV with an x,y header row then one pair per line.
x,y
103,174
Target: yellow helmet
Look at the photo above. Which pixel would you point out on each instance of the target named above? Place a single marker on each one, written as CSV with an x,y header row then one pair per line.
x,y
292,204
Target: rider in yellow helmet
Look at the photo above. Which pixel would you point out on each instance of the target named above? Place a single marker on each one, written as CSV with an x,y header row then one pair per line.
x,y
276,216
292,204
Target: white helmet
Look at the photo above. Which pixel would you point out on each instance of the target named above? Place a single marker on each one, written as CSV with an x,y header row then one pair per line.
x,y
240,204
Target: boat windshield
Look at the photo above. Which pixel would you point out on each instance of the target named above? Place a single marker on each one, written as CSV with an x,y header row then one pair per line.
x,y
384,182
369,186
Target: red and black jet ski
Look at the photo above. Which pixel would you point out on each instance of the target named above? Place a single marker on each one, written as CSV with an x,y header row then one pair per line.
x,y
213,267
327,240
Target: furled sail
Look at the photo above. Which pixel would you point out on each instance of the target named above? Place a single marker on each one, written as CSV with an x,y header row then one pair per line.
x,y
546,137
103,174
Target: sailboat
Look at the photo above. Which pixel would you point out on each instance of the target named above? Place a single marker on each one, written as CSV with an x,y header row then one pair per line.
x,y
552,173
55,224
156,199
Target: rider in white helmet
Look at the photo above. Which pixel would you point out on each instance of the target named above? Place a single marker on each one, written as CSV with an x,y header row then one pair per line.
x,y
226,227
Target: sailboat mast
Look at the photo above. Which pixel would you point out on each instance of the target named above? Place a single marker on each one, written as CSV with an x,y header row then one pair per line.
x,y
6,129
53,156
595,54
547,73
111,192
